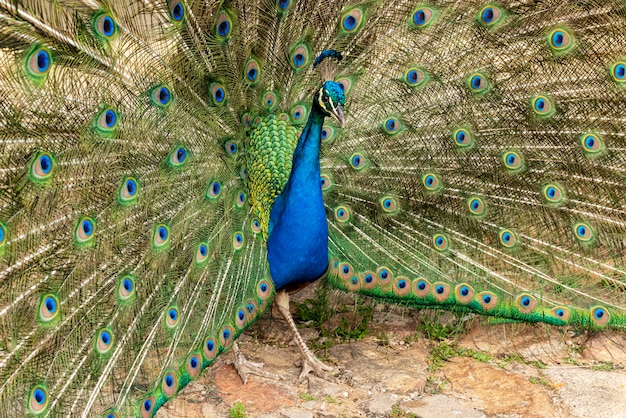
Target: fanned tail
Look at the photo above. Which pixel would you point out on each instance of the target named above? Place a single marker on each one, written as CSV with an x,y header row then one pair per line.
x,y
481,168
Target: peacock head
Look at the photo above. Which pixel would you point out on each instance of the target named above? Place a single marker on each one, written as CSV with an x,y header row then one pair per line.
x,y
331,99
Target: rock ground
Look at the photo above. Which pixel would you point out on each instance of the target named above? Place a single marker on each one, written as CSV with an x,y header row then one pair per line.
x,y
505,370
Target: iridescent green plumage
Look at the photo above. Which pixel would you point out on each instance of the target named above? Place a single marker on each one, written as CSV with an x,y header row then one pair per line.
x,y
268,159
143,144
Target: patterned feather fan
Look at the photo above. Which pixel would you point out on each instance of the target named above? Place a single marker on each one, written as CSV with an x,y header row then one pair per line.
x,y
148,149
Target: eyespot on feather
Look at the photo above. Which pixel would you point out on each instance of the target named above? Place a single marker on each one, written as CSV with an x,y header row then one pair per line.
x,y
388,204
146,408
171,317
561,312
583,232
369,279
464,293
177,10
415,76
218,94
431,182
48,308
283,5
223,26
238,240
592,144
327,134
392,126
421,287
231,148
104,341
241,318
210,348
213,190
553,193
126,288
3,236
255,225
326,182
352,20
345,83
161,96
193,365
202,253
263,289
269,100
252,71
385,276
513,161
402,286
38,400
490,15
440,242
507,238
561,40
357,161
38,63
353,284
160,236
104,25
618,71
299,114
477,83
300,57
542,106
463,138
600,315
178,157
85,231
342,214
240,199
440,291
346,271
226,336
476,206
526,303
129,191
169,384
252,309
423,17
42,167
488,300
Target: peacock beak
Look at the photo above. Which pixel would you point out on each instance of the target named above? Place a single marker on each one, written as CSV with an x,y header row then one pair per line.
x,y
337,113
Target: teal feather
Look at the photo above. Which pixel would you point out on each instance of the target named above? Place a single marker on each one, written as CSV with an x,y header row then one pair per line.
x,y
143,144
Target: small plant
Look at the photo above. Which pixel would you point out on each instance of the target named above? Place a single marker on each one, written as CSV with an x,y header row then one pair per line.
x,y
306,397
396,412
237,411
604,366
540,381
433,329
445,351
335,324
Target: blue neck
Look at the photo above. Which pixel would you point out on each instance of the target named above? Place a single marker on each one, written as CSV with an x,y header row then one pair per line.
x,y
297,244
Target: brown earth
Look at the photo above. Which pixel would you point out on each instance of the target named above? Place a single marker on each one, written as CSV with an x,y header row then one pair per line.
x,y
505,370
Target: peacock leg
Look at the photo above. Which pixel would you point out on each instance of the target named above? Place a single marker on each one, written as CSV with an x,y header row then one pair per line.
x,y
246,367
310,363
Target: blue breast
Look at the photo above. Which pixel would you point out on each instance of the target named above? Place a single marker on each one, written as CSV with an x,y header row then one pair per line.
x,y
297,244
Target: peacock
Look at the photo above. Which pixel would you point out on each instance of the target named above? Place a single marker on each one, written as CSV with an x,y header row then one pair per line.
x,y
169,167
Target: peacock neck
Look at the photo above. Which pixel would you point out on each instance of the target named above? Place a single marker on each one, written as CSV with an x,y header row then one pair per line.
x,y
297,243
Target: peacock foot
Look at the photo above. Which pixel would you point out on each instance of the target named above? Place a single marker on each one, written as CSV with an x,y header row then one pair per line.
x,y
246,367
310,363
